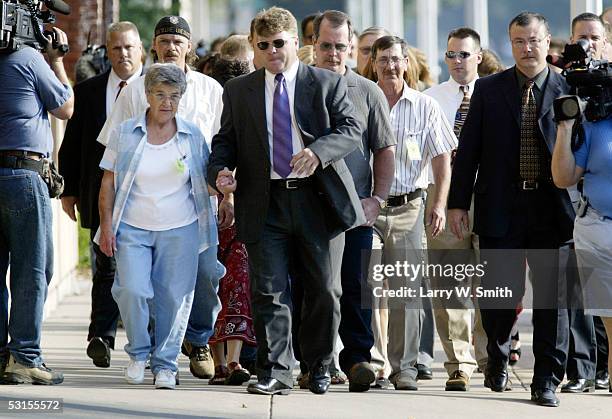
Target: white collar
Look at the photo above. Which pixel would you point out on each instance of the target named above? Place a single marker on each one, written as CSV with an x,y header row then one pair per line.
x,y
114,78
455,86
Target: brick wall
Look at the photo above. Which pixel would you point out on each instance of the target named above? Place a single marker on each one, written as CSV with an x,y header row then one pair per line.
x,y
86,16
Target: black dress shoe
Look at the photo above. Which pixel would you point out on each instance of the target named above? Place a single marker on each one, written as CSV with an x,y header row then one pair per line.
x,y
580,385
545,397
269,386
99,351
602,380
319,379
496,380
424,372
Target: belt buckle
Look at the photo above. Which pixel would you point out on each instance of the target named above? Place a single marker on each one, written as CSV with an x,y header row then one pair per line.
x,y
530,185
291,184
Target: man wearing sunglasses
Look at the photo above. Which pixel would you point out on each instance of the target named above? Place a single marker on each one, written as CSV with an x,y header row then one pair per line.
x,y
453,318
333,33
285,129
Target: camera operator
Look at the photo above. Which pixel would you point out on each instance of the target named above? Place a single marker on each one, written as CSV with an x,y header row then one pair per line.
x,y
593,224
30,90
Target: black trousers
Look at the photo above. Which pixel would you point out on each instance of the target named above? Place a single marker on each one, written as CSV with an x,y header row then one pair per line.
x,y
104,310
294,236
602,344
532,230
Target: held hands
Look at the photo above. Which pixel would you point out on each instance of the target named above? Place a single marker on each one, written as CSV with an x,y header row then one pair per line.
x,y
226,184
458,221
371,208
108,243
68,205
436,219
304,163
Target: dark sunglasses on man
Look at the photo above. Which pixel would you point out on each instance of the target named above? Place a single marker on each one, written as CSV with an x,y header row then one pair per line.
x,y
454,54
327,46
277,43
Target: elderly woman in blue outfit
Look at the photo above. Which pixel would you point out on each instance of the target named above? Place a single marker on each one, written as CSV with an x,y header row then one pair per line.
x,y
593,225
155,218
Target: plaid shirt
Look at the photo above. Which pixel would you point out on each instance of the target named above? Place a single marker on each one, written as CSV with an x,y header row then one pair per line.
x,y
122,157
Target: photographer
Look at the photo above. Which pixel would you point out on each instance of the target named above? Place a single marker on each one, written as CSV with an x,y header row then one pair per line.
x,y
593,225
30,90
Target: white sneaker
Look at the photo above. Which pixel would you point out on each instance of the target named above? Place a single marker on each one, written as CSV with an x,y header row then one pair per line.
x,y
134,373
165,379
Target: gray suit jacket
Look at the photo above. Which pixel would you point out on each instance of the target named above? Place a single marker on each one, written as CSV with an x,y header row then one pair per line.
x,y
324,117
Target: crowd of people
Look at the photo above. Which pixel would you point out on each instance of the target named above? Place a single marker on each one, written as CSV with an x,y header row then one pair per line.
x,y
239,203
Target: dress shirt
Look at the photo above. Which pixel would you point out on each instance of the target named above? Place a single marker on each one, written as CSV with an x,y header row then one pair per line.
x,y
290,79
449,96
201,105
112,87
538,87
417,121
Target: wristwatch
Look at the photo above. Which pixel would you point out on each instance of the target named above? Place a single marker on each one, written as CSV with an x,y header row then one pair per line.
x,y
381,202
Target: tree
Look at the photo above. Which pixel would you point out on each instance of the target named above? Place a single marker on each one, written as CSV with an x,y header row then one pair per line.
x,y
145,14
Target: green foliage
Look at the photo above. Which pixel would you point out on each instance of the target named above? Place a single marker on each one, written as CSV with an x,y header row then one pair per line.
x,y
145,14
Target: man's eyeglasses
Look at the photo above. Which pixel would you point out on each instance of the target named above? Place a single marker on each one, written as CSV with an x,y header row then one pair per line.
x,y
327,46
385,61
520,43
277,43
461,54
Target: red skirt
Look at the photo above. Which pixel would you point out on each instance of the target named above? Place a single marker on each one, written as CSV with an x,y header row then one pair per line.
x,y
234,320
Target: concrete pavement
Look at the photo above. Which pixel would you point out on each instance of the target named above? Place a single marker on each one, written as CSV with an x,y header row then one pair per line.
x,y
102,393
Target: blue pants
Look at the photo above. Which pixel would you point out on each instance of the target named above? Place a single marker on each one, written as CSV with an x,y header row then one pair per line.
x,y
25,235
155,277
206,302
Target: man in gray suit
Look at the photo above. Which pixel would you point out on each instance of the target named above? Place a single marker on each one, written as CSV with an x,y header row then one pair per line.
x,y
285,129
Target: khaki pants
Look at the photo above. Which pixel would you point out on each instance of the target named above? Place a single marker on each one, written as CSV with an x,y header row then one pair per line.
x,y
398,233
454,324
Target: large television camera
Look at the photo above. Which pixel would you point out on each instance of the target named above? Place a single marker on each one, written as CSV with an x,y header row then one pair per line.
x,y
21,24
591,81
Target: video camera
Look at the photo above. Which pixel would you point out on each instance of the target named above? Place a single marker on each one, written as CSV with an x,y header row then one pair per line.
x,y
21,24
591,81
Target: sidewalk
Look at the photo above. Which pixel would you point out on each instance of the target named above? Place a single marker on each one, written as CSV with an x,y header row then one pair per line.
x,y
102,393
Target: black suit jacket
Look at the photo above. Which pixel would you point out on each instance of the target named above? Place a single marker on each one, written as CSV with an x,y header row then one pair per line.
x,y
490,145
80,153
324,116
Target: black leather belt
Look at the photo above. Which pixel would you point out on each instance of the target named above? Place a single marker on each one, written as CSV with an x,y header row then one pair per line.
x,y
290,184
532,185
16,162
396,201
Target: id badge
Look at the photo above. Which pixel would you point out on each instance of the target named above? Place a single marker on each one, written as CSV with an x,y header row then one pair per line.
x,y
414,152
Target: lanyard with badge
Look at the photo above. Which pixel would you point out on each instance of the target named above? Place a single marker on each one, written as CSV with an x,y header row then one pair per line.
x,y
412,146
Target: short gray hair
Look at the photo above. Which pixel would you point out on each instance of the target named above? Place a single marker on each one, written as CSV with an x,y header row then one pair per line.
x,y
168,74
123,26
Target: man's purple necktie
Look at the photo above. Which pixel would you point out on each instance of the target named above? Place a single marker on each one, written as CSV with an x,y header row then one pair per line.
x,y
281,129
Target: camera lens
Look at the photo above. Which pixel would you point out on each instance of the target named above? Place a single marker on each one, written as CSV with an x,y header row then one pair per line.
x,y
570,108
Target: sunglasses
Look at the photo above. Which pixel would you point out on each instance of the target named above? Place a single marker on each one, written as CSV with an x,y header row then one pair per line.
x,y
277,43
454,54
327,46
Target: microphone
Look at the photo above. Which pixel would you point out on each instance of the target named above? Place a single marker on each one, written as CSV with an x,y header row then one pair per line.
x,y
58,6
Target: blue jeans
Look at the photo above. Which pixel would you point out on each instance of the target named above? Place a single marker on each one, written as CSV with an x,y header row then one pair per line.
x,y
155,278
206,302
25,236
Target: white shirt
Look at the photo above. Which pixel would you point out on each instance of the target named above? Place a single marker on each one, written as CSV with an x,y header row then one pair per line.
x,y
201,104
160,198
449,96
290,79
422,133
112,87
